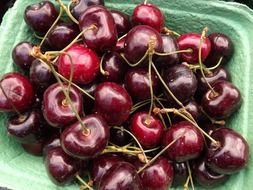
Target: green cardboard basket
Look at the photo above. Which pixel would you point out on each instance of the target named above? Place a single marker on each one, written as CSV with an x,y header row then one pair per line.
x,y
21,171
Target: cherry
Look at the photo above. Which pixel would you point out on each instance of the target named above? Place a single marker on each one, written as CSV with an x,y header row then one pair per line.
x,y
61,168
119,136
221,46
147,129
79,6
51,143
189,145
206,177
180,173
192,41
83,61
120,176
112,102
122,22
26,128
102,164
137,83
88,102
225,101
114,67
158,176
35,149
40,16
86,141
16,92
61,35
148,14
231,156
56,109
138,40
181,81
169,45
21,55
104,37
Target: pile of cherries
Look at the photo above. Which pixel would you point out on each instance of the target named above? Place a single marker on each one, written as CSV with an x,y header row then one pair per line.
x,y
126,104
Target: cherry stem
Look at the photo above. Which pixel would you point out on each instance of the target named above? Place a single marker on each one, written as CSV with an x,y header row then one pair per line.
x,y
160,103
186,185
83,182
37,36
174,52
190,175
220,122
147,120
142,151
145,2
159,154
102,71
217,65
127,150
67,10
135,64
122,37
170,32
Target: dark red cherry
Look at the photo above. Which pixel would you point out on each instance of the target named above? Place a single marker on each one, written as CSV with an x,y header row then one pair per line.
x,y
147,129
26,128
79,6
121,176
86,143
189,145
120,45
35,148
224,102
181,81
138,85
83,61
114,67
192,41
169,45
56,109
102,38
180,173
61,168
231,156
148,14
16,92
205,176
113,102
221,46
158,176
119,136
61,35
21,55
40,16
102,164
40,75
138,40
51,143
122,22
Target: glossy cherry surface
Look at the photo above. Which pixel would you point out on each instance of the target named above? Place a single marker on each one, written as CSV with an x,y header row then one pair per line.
x,y
56,110
115,178
225,103
86,143
112,102
122,22
51,143
16,92
102,38
119,136
192,41
138,84
180,173
231,156
147,129
148,14
40,16
84,62
189,145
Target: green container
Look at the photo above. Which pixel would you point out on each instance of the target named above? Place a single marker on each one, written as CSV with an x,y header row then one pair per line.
x,y
20,171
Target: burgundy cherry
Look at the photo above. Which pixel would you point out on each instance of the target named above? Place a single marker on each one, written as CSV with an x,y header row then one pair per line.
x,y
21,55
83,61
86,143
40,16
122,22
119,136
189,145
138,40
61,168
35,149
192,41
158,176
88,102
231,156
56,109
51,143
148,14
102,38
16,92
113,102
138,85
147,129
120,176
180,173
224,103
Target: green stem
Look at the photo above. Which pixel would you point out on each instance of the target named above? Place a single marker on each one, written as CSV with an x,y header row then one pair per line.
x,y
83,182
174,52
67,11
190,175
